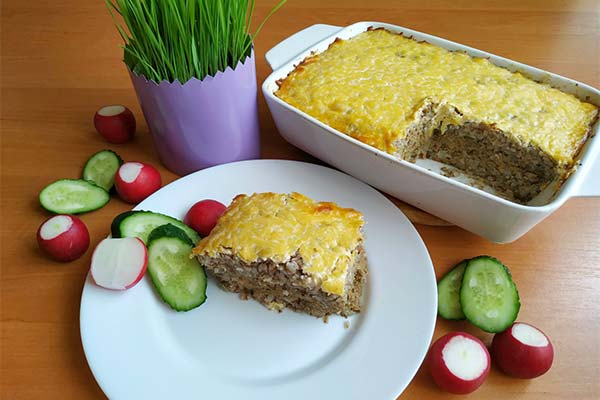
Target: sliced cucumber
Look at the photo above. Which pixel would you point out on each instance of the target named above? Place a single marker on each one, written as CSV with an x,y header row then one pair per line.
x,y
101,168
73,196
449,293
488,295
141,223
116,223
169,230
179,279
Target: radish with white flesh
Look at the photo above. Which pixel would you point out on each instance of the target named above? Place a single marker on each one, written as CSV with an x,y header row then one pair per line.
x,y
202,216
119,264
115,123
63,237
459,362
522,351
135,181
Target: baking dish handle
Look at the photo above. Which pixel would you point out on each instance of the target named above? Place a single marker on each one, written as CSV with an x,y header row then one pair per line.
x,y
285,50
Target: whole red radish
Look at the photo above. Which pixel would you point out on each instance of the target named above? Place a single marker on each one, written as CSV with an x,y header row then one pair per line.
x,y
202,216
522,351
119,264
459,362
115,123
135,181
63,237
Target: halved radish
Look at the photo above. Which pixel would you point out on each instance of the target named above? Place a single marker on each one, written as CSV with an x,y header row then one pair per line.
x,y
119,264
115,123
522,351
202,216
63,237
135,181
459,362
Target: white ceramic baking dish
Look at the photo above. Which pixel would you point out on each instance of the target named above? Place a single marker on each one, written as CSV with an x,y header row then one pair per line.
x,y
420,183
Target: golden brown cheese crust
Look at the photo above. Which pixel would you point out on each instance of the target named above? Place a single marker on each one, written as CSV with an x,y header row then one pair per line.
x,y
278,226
371,85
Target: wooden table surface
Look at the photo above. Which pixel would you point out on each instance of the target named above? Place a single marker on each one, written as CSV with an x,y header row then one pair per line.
x,y
61,61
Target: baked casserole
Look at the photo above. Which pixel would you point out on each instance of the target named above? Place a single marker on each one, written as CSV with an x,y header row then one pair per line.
x,y
286,250
415,100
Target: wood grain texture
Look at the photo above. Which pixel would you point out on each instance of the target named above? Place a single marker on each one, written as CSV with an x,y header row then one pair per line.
x,y
61,61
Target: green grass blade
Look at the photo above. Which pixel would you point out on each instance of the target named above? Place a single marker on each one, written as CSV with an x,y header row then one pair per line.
x,y
181,39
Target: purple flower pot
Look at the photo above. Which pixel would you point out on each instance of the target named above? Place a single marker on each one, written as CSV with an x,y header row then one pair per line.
x,y
205,122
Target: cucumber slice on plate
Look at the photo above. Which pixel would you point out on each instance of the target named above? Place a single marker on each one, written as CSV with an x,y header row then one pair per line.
x,y
141,223
449,293
73,196
179,279
488,295
101,169
115,225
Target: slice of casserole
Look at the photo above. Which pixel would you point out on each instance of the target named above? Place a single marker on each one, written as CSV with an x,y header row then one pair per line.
x,y
286,250
413,99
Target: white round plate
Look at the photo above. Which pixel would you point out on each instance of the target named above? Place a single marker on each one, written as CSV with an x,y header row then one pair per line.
x,y
138,348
